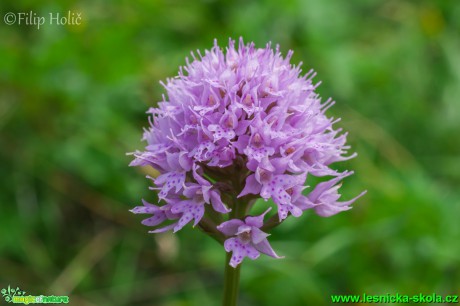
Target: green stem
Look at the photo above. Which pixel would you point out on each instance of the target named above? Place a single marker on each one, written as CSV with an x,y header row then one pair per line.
x,y
231,283
209,227
273,222
232,275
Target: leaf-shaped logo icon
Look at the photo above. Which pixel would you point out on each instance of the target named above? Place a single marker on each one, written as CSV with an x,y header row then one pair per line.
x,y
11,292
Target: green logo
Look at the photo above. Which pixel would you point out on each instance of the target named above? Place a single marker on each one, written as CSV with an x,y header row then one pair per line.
x,y
18,296
9,293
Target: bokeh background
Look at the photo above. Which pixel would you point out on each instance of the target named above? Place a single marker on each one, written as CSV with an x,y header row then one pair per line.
x,y
73,102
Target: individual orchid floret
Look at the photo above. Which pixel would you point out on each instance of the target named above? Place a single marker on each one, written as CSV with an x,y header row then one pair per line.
x,y
324,198
197,195
159,215
246,238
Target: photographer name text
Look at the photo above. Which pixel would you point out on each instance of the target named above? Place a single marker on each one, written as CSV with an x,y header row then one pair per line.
x,y
35,20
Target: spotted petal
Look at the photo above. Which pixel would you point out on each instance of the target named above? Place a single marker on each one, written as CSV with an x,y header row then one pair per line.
x,y
239,251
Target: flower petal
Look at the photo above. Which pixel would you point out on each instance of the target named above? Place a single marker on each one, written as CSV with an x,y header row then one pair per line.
x,y
257,236
190,211
257,221
230,227
264,247
251,186
324,186
330,209
217,203
239,251
163,229
169,181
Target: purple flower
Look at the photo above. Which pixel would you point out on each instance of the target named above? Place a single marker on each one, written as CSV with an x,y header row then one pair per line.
x,y
247,240
234,125
198,194
324,198
159,215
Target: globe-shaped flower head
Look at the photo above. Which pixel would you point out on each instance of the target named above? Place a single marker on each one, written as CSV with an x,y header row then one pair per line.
x,y
237,125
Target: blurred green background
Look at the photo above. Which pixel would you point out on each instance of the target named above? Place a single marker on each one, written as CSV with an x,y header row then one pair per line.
x,y
73,102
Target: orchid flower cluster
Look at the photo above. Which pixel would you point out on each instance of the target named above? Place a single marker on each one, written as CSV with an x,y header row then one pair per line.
x,y
234,127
